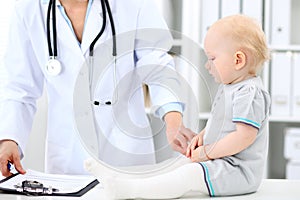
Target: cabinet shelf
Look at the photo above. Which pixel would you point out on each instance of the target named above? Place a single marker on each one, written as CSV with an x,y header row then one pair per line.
x,y
206,115
284,119
280,48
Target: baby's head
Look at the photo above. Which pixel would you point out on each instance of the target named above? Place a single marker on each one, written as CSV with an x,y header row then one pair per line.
x,y
236,42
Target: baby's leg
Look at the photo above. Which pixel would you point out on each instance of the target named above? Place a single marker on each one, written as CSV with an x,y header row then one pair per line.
x,y
173,184
102,170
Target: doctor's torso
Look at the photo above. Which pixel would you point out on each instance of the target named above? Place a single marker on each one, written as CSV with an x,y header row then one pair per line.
x,y
28,42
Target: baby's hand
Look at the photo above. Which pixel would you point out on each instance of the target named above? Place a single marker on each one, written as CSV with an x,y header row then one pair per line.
x,y
192,146
198,155
196,142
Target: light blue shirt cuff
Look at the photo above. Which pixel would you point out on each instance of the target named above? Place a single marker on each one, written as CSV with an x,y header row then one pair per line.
x,y
169,107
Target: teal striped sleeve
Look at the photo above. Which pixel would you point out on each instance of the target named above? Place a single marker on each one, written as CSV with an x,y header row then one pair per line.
x,y
247,121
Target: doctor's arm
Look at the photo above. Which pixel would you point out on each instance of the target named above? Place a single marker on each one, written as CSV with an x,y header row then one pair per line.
x,y
177,135
153,41
23,86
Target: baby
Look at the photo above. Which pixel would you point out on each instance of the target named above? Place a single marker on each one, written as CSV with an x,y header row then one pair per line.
x,y
228,156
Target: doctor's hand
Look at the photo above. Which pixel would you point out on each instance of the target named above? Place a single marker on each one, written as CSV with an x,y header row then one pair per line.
x,y
9,153
178,136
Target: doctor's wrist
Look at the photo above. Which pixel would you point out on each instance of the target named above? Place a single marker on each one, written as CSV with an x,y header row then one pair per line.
x,y
173,120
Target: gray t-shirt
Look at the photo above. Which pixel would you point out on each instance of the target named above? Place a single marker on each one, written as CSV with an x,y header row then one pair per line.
x,y
245,102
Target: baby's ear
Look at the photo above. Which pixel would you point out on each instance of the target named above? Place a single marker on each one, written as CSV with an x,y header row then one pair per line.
x,y
239,60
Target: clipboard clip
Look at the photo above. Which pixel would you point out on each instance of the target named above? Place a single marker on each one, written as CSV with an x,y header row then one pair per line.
x,y
34,188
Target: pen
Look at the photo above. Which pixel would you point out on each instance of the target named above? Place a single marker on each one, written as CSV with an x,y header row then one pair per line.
x,y
9,166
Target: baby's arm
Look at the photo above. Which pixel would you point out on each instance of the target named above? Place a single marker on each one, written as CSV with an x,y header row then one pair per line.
x,y
231,144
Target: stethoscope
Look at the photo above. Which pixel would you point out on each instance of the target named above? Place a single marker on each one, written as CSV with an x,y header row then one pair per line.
x,y
54,67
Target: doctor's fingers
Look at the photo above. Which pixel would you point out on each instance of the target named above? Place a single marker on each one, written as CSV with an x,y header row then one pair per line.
x,y
7,159
188,133
176,147
9,152
18,166
180,144
194,143
4,158
4,166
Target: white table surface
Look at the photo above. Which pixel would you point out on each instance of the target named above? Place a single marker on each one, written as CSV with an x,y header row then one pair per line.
x,y
271,189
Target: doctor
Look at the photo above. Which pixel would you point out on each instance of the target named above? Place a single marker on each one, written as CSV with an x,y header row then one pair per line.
x,y
78,22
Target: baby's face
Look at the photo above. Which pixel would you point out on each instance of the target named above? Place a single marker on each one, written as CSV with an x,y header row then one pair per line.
x,y
220,51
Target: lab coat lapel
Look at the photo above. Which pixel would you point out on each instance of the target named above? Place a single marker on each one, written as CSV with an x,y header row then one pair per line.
x,y
92,26
64,32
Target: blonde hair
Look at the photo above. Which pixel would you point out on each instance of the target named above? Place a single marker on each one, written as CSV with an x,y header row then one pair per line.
x,y
249,37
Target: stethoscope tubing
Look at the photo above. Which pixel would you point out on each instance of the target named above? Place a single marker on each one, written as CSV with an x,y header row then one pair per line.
x,y
55,66
113,29
105,5
53,52
92,45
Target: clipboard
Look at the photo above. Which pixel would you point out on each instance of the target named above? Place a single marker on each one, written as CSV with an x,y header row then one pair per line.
x,y
44,184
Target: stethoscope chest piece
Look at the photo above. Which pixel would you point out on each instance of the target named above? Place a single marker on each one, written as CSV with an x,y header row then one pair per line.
x,y
53,67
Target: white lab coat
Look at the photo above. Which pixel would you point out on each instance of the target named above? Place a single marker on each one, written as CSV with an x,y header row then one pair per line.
x,y
25,61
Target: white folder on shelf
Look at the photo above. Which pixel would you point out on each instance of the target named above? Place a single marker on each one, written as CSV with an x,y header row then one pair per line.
x,y
230,7
253,8
280,84
296,85
209,14
281,22
293,170
292,143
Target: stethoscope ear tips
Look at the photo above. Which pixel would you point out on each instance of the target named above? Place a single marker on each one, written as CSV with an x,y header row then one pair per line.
x,y
108,103
97,103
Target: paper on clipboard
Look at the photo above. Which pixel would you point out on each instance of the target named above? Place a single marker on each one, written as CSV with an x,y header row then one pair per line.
x,y
67,185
